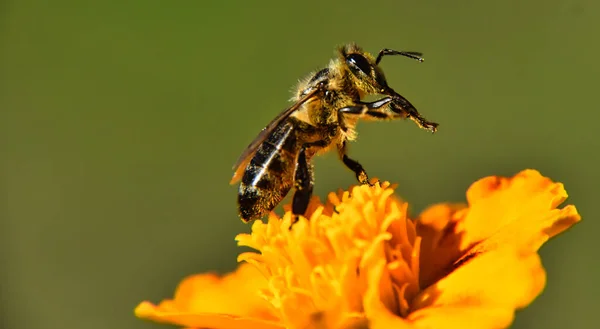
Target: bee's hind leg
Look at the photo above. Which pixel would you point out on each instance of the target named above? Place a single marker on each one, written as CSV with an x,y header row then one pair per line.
x,y
303,184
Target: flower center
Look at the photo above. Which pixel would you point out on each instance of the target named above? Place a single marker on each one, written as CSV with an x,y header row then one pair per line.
x,y
318,271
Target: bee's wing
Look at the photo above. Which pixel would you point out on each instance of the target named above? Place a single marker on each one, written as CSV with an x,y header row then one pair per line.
x,y
246,156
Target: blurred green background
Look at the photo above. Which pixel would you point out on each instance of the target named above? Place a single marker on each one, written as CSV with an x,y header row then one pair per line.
x,y
119,124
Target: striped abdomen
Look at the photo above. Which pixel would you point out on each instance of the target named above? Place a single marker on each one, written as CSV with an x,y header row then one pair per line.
x,y
269,175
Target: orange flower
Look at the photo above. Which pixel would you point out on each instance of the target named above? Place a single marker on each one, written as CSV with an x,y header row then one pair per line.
x,y
358,261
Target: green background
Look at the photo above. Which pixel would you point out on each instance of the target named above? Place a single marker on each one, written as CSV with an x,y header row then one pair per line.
x,y
119,124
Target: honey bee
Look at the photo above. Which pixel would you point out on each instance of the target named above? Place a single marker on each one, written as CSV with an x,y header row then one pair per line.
x,y
326,109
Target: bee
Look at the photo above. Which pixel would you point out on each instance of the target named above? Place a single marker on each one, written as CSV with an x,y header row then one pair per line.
x,y
326,108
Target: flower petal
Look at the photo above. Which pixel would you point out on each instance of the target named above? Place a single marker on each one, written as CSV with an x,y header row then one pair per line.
x,y
531,234
440,316
509,206
518,211
506,278
464,317
379,315
440,243
202,320
201,298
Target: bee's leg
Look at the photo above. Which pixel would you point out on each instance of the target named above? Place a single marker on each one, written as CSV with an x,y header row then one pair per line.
x,y
387,108
376,109
404,108
303,183
357,168
373,110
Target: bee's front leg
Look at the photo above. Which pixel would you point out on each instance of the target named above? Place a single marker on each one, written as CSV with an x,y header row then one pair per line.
x,y
374,110
402,106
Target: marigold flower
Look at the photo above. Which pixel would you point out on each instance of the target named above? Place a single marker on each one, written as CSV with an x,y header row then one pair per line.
x,y
358,261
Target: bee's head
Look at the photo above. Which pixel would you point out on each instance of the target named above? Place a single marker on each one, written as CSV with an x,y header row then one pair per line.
x,y
364,69
365,72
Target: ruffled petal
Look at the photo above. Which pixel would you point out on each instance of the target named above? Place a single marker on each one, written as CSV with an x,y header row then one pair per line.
x,y
523,206
484,293
464,317
518,211
234,297
440,244
506,278
379,315
148,311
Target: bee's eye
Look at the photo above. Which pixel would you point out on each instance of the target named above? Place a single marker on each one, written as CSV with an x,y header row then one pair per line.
x,y
359,62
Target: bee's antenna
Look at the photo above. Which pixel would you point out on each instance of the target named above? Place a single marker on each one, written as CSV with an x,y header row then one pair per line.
x,y
410,54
